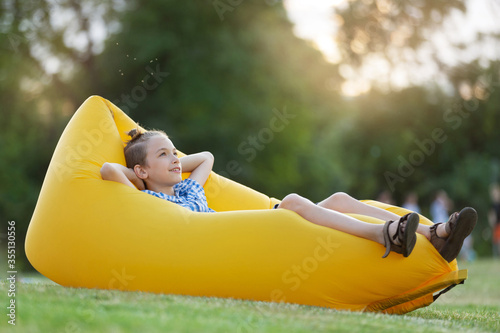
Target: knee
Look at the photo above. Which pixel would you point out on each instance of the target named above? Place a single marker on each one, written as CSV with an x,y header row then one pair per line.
x,y
340,197
293,202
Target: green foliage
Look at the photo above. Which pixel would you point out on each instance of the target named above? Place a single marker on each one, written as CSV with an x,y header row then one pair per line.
x,y
27,140
390,28
228,82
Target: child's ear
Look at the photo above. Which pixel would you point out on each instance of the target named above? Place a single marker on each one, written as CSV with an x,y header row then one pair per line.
x,y
140,172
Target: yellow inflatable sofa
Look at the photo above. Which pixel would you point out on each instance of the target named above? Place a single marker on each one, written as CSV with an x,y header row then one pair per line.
x,y
87,232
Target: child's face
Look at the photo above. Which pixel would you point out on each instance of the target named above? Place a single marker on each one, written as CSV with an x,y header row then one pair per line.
x,y
163,167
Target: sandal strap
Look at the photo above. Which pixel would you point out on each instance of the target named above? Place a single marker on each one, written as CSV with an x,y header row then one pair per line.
x,y
436,241
452,221
433,229
399,231
389,240
460,226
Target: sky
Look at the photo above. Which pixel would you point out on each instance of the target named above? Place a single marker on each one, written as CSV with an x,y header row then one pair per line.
x,y
315,21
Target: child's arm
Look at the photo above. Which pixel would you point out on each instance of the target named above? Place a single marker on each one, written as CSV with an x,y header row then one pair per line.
x,y
200,166
121,174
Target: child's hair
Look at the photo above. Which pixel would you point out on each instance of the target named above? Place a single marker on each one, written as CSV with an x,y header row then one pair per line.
x,y
136,148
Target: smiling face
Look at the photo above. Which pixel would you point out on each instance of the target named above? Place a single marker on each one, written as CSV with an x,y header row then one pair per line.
x,y
163,168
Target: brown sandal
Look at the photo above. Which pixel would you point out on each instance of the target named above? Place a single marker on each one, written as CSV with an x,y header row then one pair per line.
x,y
406,237
458,227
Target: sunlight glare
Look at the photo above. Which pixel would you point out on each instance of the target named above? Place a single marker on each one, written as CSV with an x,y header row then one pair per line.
x,y
356,87
316,21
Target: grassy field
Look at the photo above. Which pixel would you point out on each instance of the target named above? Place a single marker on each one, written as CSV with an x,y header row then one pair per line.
x,y
43,306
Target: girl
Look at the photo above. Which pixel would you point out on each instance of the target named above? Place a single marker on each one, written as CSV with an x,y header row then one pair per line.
x,y
153,167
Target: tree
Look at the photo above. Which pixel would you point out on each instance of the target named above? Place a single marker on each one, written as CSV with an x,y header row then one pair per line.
x,y
37,100
243,87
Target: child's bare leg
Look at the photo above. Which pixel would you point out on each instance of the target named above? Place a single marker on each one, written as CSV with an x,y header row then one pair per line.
x,y
334,219
344,203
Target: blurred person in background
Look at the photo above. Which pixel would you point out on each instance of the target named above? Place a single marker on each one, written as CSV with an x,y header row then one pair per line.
x,y
386,197
440,207
411,202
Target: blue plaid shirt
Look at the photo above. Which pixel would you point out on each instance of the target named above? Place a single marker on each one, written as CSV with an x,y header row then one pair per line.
x,y
188,193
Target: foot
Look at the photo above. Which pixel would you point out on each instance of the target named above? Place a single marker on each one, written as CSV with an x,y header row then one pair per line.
x,y
449,237
403,237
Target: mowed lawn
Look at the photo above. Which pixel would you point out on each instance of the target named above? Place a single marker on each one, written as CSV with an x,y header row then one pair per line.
x,y
43,306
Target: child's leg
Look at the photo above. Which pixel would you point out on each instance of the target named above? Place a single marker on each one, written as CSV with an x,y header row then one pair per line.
x,y
334,219
344,203
447,237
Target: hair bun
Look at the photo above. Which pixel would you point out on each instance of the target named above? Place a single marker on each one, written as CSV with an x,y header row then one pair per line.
x,y
134,134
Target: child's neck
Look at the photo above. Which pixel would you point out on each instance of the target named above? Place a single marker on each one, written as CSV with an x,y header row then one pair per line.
x,y
168,190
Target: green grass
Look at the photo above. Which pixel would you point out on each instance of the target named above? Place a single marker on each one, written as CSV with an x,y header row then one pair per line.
x,y
43,306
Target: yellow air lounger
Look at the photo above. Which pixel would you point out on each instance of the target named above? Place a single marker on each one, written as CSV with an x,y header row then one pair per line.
x,y
87,232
